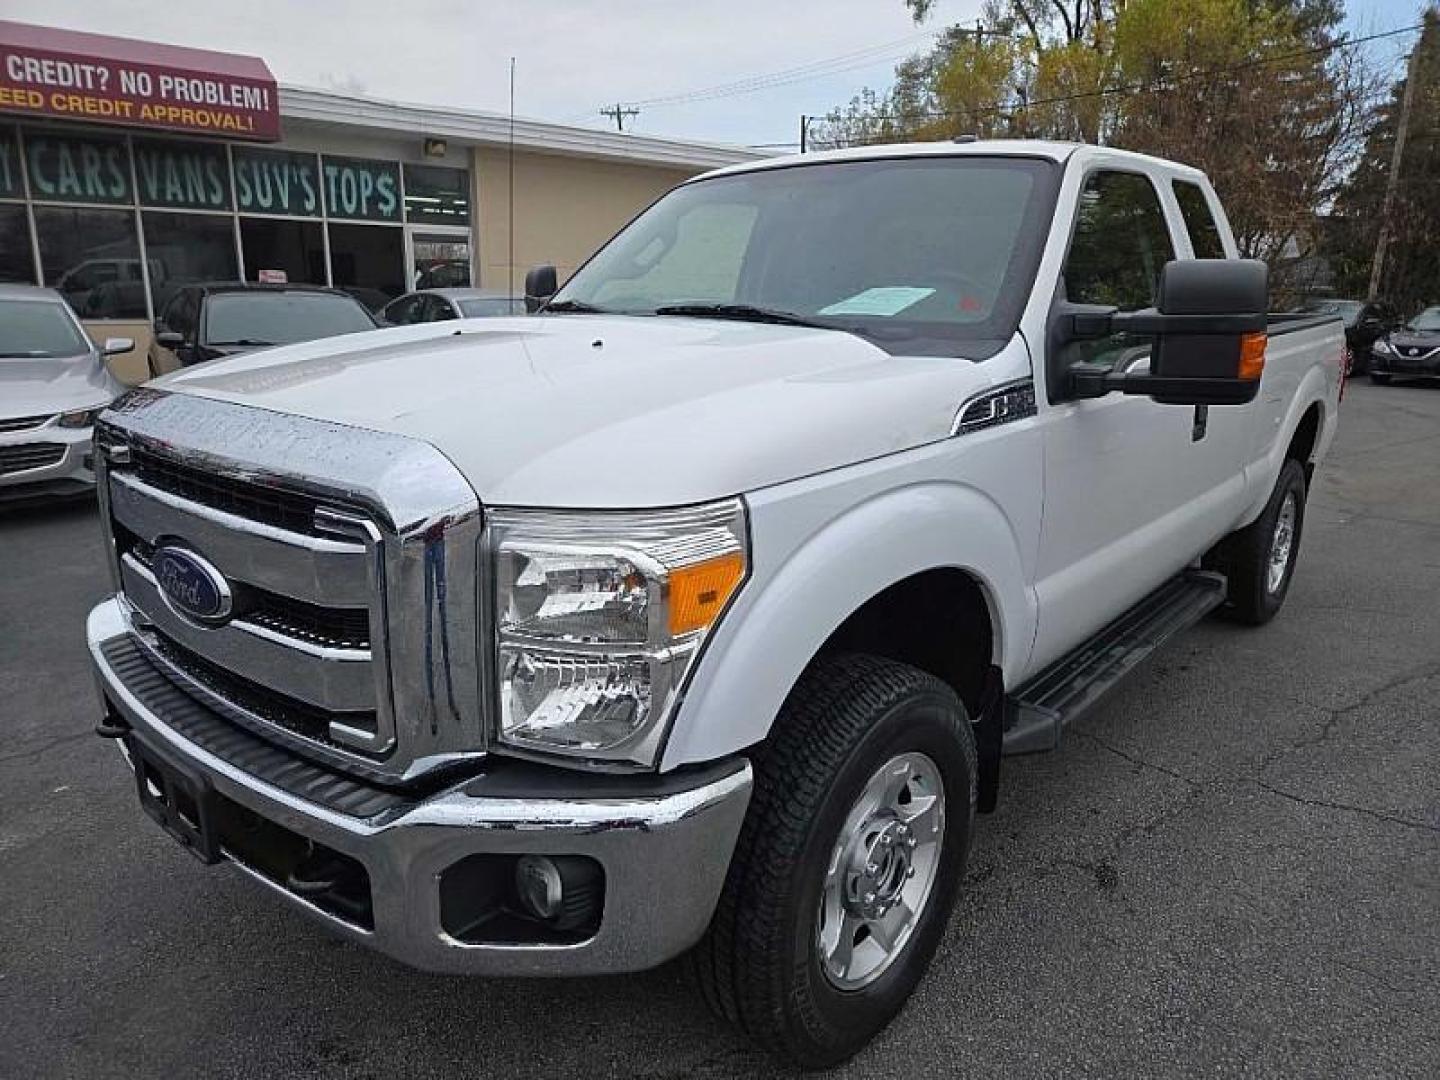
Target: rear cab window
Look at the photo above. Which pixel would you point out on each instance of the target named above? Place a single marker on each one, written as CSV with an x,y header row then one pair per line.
x,y
1199,220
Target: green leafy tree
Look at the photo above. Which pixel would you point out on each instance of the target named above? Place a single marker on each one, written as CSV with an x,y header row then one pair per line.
x,y
1254,94
1252,91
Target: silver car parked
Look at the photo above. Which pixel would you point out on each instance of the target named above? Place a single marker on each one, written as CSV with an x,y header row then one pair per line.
x,y
436,305
53,380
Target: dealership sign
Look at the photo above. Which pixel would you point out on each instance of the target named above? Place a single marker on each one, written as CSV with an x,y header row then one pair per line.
x,y
107,80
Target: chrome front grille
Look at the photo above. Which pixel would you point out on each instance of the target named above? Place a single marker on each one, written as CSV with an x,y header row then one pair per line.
x,y
314,624
26,456
351,557
24,423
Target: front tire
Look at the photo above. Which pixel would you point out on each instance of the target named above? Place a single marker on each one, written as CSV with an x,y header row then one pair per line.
x,y
1258,561
849,860
1380,378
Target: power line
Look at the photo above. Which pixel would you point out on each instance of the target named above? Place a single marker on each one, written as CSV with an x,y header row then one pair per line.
x,y
833,65
1142,88
815,69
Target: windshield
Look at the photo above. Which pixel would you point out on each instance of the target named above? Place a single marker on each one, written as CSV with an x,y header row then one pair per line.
x,y
37,329
279,318
1429,319
486,306
928,256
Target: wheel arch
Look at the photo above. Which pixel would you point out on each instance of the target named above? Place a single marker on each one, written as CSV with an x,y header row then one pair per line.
x,y
1304,434
1305,439
854,585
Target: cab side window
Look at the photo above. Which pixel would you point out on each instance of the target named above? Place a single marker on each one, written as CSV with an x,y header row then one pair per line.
x,y
1199,221
1121,243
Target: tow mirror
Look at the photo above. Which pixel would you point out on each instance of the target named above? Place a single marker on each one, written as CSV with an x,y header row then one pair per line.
x,y
540,285
1208,327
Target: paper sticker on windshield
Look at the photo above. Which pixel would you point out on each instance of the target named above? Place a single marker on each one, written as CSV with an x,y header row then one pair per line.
x,y
889,300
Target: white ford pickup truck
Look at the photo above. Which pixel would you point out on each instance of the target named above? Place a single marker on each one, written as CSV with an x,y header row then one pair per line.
x,y
697,612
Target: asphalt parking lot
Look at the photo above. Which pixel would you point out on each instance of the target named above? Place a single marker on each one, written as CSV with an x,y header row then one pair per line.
x,y
1232,869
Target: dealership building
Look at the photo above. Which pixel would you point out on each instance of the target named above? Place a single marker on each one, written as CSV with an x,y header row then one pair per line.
x,y
129,168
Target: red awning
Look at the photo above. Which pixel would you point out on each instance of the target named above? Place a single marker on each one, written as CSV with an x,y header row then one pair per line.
x,y
93,78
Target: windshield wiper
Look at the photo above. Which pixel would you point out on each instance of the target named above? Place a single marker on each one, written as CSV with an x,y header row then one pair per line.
x,y
743,313
244,343
573,307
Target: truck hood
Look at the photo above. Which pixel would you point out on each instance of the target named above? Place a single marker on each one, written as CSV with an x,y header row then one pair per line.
x,y
54,385
610,411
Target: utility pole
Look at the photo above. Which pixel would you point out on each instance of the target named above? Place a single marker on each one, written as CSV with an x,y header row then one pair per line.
x,y
618,113
1393,180
804,131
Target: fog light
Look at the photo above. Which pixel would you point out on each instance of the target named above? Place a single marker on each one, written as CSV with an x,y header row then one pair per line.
x,y
564,891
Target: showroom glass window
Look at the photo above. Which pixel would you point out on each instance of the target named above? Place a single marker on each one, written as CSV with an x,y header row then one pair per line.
x,y
437,210
367,244
278,195
89,247
17,257
119,222
435,195
184,190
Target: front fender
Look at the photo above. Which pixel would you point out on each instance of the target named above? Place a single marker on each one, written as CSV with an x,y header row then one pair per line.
x,y
810,571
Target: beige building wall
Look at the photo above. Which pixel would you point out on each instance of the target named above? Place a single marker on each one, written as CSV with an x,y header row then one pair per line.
x,y
131,367
565,208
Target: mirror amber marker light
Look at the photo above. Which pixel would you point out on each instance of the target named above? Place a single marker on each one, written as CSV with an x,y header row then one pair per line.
x,y
1252,356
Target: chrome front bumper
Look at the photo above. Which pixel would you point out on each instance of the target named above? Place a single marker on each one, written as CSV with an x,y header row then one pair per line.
x,y
664,852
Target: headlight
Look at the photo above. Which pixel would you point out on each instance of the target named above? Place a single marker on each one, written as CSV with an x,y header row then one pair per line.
x,y
81,417
599,617
1381,346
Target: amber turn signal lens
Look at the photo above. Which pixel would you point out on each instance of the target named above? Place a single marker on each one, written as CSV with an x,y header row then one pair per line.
x,y
1252,356
699,593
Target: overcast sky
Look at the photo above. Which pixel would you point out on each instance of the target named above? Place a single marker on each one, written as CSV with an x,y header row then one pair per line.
x,y
572,56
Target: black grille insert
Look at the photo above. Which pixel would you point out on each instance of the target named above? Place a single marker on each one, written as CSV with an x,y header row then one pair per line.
x,y
335,628
251,499
14,459
282,710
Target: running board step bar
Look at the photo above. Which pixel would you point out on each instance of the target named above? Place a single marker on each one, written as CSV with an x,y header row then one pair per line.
x,y
1070,687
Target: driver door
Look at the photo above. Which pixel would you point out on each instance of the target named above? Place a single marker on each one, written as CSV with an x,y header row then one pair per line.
x,y
1133,488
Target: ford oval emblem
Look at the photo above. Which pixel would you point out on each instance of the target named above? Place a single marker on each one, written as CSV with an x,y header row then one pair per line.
x,y
191,586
